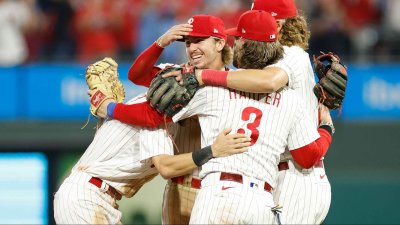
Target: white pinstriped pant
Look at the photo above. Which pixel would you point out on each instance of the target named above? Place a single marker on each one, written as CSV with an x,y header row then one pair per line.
x,y
79,202
304,194
236,204
178,203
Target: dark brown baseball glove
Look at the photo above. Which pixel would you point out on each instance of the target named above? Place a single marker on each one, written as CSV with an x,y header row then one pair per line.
x,y
332,75
167,96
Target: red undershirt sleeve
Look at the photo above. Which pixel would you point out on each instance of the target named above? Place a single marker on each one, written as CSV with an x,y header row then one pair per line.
x,y
141,114
307,156
142,71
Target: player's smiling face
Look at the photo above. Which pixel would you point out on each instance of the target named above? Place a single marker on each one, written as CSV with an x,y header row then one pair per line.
x,y
203,52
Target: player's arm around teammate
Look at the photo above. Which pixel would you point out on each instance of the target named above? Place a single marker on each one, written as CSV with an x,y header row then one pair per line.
x,y
271,78
307,156
206,48
141,72
225,145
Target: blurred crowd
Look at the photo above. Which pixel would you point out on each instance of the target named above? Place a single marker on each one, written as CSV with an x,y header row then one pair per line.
x,y
84,31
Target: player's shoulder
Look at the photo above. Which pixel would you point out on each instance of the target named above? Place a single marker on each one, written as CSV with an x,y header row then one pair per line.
x,y
293,50
289,93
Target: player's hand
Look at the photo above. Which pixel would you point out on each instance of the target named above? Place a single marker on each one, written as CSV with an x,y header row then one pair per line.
x,y
177,74
324,114
228,144
102,110
174,33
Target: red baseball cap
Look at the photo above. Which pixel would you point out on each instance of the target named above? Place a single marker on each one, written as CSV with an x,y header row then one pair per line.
x,y
280,9
255,25
206,26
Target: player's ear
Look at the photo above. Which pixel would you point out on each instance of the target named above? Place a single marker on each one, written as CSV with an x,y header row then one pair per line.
x,y
220,43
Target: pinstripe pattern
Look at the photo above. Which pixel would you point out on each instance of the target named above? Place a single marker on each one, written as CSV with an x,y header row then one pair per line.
x,y
118,157
280,122
80,202
304,195
179,199
178,203
239,204
219,108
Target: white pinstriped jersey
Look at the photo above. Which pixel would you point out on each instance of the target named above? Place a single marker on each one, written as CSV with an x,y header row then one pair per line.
x,y
304,194
118,156
297,65
187,138
273,121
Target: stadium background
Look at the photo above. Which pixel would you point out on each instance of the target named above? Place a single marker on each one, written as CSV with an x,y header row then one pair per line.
x,y
45,104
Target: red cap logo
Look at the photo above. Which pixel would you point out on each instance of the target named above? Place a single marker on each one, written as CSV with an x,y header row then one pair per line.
x,y
206,26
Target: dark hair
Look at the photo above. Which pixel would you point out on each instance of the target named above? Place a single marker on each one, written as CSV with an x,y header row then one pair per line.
x,y
295,31
257,55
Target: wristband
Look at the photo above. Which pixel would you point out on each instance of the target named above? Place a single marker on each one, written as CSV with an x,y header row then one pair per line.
x,y
215,77
328,127
202,156
110,109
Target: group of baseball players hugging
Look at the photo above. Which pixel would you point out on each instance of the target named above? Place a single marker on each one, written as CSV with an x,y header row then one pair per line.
x,y
247,149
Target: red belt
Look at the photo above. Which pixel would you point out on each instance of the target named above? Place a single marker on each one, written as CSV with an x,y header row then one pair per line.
x,y
285,165
239,179
195,183
111,190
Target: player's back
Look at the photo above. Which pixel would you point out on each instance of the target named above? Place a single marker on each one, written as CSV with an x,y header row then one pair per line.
x,y
296,63
115,155
269,119
113,142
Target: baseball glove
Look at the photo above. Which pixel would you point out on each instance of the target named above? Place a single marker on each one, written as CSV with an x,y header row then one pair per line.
x,y
102,76
332,75
167,96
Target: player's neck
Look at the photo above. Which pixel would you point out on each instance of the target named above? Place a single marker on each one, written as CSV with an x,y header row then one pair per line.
x,y
217,65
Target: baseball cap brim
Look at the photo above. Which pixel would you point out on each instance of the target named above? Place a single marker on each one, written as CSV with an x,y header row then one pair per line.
x,y
232,32
194,35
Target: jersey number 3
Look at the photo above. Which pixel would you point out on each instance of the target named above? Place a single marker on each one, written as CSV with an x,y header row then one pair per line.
x,y
252,126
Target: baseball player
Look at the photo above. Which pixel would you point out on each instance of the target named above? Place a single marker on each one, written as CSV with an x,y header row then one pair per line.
x,y
120,159
238,189
205,46
305,194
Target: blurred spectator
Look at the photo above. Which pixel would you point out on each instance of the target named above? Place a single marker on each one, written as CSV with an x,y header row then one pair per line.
x,y
96,23
329,29
228,10
131,11
91,29
59,43
158,16
363,19
17,17
389,44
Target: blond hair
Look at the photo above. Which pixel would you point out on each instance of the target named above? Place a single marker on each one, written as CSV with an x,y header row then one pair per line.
x,y
295,32
226,53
